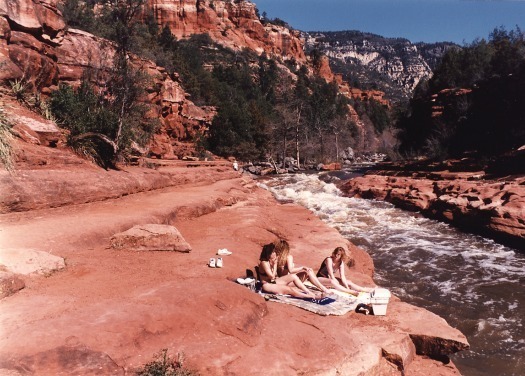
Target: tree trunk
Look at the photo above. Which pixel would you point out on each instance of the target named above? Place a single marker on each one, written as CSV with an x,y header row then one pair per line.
x,y
297,154
336,148
100,136
284,151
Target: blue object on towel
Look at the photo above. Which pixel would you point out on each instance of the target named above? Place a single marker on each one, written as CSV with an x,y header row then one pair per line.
x,y
323,301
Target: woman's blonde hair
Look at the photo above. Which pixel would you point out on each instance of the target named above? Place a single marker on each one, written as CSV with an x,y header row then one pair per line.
x,y
282,249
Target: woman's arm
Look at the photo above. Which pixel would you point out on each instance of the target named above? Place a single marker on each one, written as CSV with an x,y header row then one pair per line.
x,y
269,270
342,272
292,268
330,268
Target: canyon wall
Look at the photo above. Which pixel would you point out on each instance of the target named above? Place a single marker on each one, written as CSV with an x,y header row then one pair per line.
x,y
234,24
394,65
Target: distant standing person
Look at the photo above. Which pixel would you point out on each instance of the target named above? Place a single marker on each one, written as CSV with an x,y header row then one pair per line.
x,y
235,165
336,264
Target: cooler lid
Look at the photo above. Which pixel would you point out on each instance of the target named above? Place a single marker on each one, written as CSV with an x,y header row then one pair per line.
x,y
380,293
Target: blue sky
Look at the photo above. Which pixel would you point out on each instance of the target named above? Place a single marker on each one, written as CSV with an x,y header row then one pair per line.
x,y
459,21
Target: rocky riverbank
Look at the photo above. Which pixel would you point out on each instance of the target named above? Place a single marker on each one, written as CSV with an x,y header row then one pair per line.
x,y
471,197
90,309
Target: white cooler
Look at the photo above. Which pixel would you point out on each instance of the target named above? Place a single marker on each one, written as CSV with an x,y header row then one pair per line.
x,y
379,300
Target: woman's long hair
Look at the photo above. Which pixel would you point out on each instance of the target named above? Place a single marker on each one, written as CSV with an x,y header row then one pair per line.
x,y
266,252
282,249
340,251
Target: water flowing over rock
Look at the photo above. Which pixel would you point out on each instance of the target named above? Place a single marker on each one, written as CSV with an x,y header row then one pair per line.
x,y
493,208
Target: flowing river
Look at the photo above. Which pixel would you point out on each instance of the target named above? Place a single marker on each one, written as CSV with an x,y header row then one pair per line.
x,y
475,284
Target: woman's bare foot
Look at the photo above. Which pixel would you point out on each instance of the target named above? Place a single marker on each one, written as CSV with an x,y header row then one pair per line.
x,y
321,295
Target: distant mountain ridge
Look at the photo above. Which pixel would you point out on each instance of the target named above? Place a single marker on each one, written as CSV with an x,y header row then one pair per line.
x,y
369,61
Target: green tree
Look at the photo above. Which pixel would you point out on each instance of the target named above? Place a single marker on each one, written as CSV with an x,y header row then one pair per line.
x,y
488,118
79,14
106,123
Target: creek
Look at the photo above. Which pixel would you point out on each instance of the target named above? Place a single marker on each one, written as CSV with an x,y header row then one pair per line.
x,y
475,284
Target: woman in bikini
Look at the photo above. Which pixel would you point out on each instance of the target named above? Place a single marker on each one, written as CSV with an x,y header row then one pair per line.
x,y
336,263
289,284
285,266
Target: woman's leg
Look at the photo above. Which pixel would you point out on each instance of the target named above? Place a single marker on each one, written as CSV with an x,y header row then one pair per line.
x,y
292,278
274,288
334,283
313,278
355,286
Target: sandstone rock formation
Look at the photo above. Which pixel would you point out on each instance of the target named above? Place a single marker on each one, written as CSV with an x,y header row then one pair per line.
x,y
111,311
37,49
150,237
10,283
30,261
233,24
492,207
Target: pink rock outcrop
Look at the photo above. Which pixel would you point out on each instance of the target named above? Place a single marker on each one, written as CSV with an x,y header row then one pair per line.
x,y
150,237
495,208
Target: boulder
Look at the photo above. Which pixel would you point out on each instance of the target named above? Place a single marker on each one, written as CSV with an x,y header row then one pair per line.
x,y
437,340
150,237
30,261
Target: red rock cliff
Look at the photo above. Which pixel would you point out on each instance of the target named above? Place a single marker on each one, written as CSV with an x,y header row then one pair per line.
x,y
232,24
36,47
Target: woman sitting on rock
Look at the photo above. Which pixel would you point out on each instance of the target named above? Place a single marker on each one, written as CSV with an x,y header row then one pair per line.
x,y
285,266
289,284
336,263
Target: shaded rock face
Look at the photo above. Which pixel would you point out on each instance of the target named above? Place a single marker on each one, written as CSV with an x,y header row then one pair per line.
x,y
491,208
233,24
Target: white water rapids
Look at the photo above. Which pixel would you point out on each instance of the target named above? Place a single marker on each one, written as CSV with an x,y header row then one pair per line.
x,y
475,284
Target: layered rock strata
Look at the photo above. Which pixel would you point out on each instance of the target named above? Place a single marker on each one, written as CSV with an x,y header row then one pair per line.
x,y
493,208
